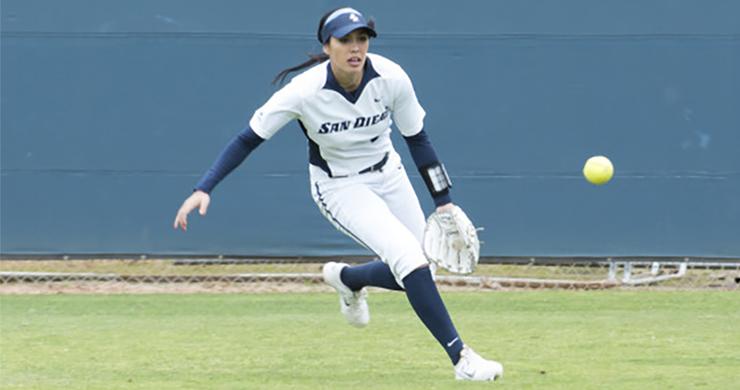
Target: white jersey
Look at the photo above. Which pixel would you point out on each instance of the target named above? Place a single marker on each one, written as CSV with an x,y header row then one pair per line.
x,y
346,132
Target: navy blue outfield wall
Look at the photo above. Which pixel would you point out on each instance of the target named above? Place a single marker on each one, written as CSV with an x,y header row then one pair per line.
x,y
112,110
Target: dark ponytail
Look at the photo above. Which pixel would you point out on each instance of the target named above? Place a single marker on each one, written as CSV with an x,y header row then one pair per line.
x,y
313,58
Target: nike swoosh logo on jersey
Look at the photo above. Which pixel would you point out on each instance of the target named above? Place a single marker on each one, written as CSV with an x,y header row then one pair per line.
x,y
453,341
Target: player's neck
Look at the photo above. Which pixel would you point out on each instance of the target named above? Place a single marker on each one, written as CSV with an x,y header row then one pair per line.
x,y
348,81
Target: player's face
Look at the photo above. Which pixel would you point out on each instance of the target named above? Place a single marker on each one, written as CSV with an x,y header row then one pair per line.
x,y
347,54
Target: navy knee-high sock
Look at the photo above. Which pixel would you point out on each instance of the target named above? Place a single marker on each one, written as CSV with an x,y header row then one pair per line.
x,y
424,298
375,273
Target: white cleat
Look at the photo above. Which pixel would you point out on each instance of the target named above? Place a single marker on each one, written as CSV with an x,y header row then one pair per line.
x,y
472,367
353,304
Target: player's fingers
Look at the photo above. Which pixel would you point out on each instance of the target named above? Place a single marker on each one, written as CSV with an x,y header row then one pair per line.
x,y
198,200
181,220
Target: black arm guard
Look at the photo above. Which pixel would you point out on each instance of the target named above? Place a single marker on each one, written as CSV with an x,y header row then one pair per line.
x,y
436,178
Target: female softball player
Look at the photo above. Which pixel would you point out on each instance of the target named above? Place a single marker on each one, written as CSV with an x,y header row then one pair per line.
x,y
345,102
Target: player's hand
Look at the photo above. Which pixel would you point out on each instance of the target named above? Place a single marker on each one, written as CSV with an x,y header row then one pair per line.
x,y
445,208
198,199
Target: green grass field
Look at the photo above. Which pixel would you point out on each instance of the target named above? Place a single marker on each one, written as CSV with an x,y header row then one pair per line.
x,y
545,339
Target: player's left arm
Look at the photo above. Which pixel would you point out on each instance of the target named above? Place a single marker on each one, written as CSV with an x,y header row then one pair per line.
x,y
450,239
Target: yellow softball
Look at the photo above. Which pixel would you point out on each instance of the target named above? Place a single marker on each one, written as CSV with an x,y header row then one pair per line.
x,y
598,170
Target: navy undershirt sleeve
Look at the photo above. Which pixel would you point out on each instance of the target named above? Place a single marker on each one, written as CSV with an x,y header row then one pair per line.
x,y
233,154
423,154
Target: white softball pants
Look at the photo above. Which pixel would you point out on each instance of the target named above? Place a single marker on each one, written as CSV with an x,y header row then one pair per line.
x,y
379,210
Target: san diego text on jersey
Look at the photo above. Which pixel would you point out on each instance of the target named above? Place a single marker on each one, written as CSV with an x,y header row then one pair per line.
x,y
363,121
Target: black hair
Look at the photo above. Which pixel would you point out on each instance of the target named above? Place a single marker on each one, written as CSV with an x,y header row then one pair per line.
x,y
313,58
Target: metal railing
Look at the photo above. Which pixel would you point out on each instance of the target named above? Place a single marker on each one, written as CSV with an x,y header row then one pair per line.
x,y
141,273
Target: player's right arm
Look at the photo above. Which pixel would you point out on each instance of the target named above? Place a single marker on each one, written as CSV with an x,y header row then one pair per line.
x,y
282,107
231,157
